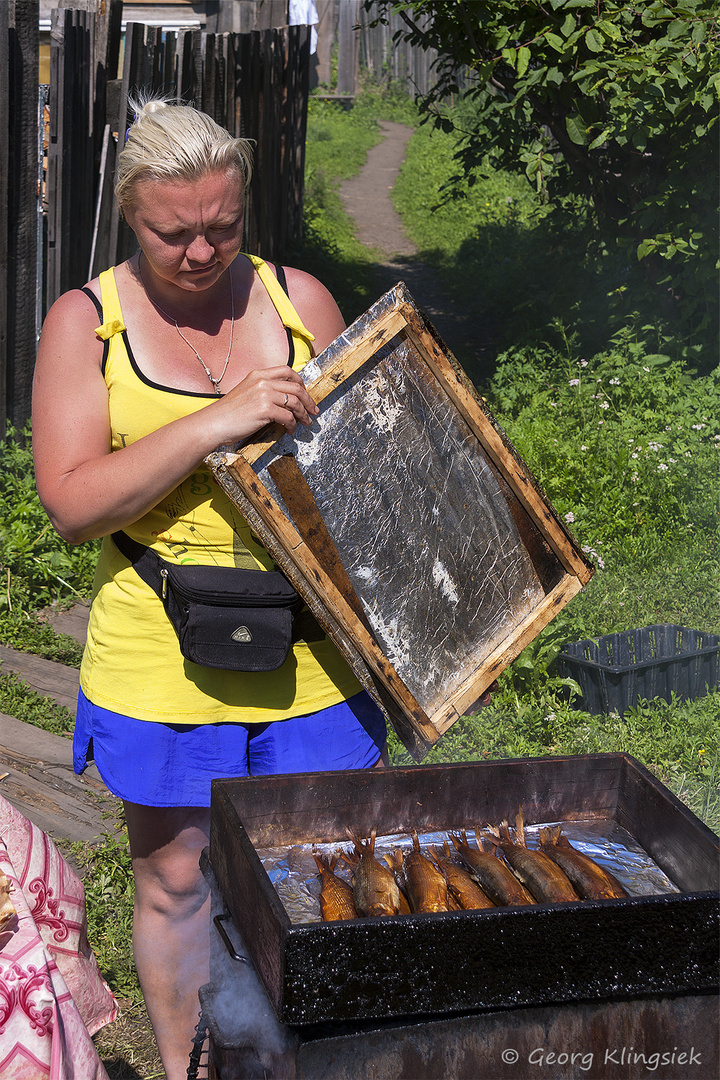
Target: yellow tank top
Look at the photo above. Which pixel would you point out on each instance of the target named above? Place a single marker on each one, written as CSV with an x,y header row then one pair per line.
x,y
132,663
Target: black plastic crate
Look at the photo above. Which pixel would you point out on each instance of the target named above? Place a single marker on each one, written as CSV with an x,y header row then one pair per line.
x,y
616,670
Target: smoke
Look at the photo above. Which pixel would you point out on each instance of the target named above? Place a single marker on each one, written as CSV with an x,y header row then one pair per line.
x,y
237,1009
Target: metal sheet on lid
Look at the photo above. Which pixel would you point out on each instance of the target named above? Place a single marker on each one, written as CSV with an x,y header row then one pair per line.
x,y
439,509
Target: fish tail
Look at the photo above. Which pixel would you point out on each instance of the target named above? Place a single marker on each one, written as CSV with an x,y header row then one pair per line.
x,y
356,841
394,860
520,827
491,833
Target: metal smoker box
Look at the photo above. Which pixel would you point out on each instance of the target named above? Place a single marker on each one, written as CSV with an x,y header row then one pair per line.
x,y
463,961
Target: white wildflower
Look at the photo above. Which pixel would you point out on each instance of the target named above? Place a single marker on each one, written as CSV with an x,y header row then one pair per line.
x,y
574,382
614,382
604,404
570,518
662,467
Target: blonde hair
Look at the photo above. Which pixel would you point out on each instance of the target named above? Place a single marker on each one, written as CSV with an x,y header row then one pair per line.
x,y
175,142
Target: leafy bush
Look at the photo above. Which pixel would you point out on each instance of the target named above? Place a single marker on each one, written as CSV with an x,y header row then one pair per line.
x,y
626,444
605,102
36,566
524,268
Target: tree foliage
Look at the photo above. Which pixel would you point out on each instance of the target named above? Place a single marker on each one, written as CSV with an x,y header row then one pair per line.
x,y
612,101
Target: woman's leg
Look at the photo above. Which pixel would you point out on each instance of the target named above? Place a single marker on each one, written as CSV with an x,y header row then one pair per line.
x,y
171,923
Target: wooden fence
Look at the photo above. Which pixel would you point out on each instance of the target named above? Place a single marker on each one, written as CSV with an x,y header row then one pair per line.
x,y
386,57
18,206
59,224
254,84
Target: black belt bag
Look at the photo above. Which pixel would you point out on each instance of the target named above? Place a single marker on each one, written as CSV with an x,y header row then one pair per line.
x,y
224,617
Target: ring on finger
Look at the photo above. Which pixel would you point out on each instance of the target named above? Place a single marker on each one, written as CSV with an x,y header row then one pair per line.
x,y
285,401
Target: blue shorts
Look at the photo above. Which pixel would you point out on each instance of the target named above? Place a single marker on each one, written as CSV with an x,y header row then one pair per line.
x,y
172,764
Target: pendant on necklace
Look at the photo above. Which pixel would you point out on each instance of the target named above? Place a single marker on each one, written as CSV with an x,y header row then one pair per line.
x,y
215,383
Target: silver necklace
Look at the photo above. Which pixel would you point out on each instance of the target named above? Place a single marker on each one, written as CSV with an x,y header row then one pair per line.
x,y
215,383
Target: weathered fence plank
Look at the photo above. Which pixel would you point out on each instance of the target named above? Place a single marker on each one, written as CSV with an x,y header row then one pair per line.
x,y
71,156
348,47
22,63
4,163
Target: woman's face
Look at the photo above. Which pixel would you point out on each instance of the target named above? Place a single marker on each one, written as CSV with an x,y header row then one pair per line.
x,y
189,230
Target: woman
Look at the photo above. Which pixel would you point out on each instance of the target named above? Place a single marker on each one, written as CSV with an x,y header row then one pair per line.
x,y
186,346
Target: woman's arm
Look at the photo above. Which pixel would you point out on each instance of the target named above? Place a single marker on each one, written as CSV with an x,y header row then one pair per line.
x,y
88,491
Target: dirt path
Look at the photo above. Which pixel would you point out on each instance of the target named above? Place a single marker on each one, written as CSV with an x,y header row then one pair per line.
x,y
368,201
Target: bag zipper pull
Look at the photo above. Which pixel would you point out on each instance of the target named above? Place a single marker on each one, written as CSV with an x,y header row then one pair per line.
x,y
164,576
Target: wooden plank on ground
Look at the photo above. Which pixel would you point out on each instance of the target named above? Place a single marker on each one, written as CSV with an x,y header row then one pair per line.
x,y
40,783
72,622
44,676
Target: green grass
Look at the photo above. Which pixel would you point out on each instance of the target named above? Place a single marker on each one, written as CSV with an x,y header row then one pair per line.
x,y
18,700
106,872
28,632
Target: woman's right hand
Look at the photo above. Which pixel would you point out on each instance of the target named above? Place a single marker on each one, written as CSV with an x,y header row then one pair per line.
x,y
269,396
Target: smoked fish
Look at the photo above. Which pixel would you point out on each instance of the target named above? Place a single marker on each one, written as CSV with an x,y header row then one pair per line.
x,y
591,881
463,890
493,875
336,896
541,876
375,890
425,885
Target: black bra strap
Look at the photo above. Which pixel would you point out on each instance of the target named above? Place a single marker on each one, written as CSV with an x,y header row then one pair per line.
x,y
98,308
282,280
96,302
